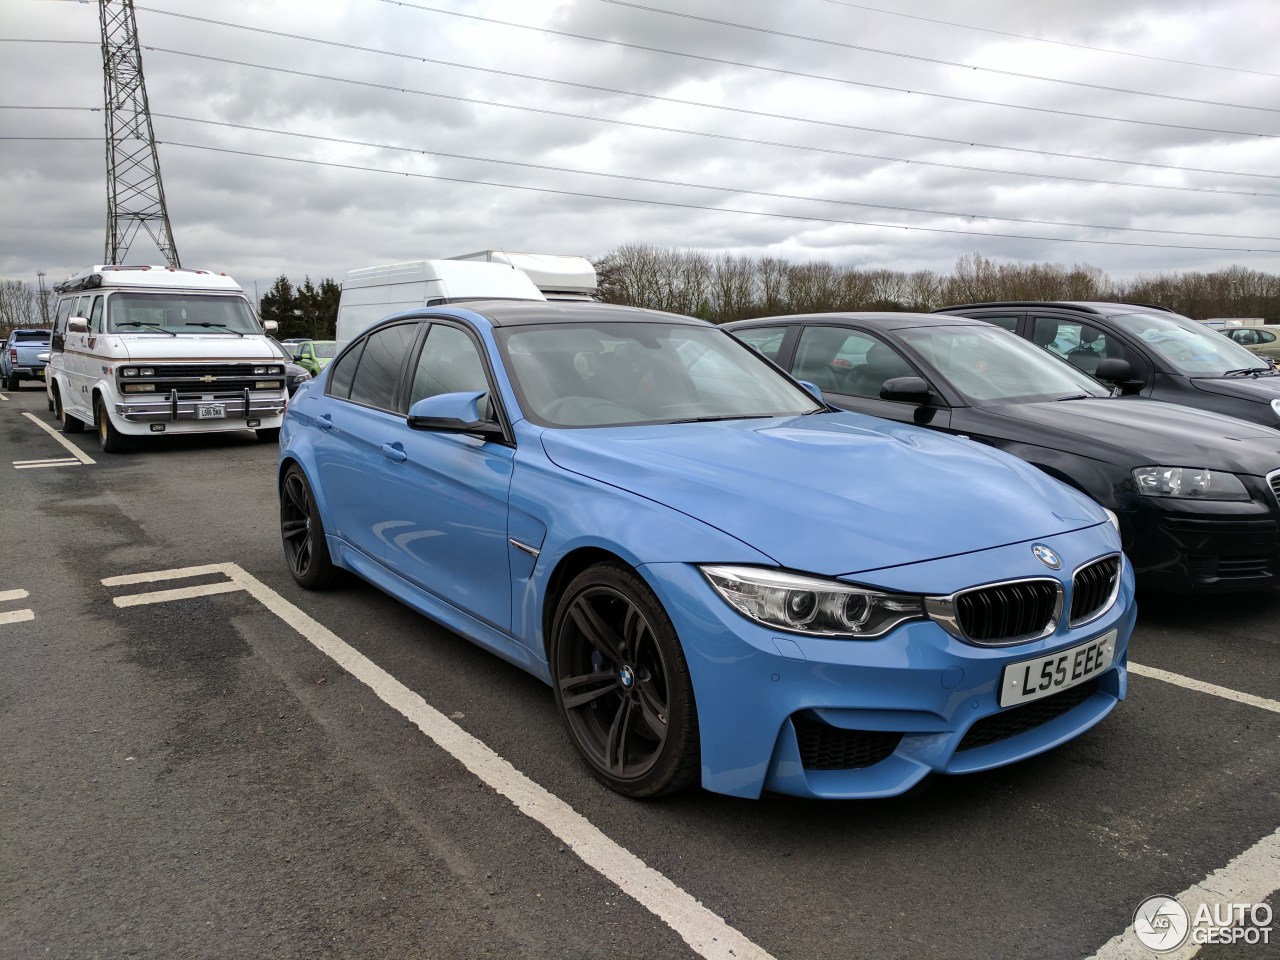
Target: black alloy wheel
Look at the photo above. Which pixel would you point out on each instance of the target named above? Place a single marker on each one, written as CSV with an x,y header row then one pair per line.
x,y
302,533
622,684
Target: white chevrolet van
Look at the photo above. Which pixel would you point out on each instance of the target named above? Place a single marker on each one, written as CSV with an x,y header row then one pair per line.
x,y
138,351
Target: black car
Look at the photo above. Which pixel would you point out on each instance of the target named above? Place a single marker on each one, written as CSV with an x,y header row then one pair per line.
x,y
1169,356
1196,494
294,375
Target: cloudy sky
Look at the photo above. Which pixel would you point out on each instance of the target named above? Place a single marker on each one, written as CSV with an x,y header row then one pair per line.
x,y
312,138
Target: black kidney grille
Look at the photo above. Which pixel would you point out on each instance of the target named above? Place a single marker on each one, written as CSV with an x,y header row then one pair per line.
x,y
1092,586
824,747
1007,611
1015,720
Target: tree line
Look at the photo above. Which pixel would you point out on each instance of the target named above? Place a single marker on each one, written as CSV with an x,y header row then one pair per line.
x,y
724,287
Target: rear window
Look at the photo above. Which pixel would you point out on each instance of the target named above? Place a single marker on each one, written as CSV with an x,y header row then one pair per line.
x,y
38,336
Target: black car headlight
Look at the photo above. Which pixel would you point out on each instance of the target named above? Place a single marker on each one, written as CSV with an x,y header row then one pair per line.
x,y
810,605
1189,483
1275,407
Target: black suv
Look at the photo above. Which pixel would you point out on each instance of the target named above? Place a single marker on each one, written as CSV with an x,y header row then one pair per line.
x,y
1153,352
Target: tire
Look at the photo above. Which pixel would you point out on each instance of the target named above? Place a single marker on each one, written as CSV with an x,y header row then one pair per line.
x,y
622,684
109,438
13,384
69,423
269,434
302,533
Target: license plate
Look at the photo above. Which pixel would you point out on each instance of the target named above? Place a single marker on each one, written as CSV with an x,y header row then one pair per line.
x,y
1045,676
211,411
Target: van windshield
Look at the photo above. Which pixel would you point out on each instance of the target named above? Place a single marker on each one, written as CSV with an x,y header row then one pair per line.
x,y
179,313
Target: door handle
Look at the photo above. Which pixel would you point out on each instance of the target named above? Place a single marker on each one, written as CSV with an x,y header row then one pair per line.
x,y
325,421
393,451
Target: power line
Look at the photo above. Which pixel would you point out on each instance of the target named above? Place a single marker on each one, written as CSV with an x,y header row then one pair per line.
x,y
1060,43
826,41
709,106
704,186
645,126
694,206
753,66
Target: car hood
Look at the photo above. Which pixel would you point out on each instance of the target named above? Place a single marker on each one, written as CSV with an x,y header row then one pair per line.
x,y
1262,389
1132,432
157,346
831,494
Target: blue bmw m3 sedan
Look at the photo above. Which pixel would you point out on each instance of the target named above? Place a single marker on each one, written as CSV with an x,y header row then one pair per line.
x,y
724,580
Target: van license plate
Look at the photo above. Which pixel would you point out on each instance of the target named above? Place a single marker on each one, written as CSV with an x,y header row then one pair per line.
x,y
211,411
1043,677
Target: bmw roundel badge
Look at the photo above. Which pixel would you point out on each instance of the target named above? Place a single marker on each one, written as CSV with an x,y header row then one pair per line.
x,y
1047,556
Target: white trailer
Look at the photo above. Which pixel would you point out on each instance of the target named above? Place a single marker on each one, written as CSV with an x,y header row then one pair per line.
x,y
558,277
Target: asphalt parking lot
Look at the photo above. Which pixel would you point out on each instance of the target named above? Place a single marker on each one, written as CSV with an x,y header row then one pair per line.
x,y
200,759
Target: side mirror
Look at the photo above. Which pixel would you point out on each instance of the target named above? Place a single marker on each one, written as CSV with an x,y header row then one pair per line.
x,y
452,413
270,326
908,389
814,389
295,357
77,325
1113,370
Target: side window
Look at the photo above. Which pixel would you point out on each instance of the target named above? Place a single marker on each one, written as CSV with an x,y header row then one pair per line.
x,y
343,371
1008,323
764,340
449,363
58,340
1083,345
381,363
852,362
1264,336
95,316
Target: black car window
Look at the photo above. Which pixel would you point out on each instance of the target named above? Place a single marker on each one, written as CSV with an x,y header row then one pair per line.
x,y
1083,345
856,363
449,363
378,375
1191,348
1009,323
764,340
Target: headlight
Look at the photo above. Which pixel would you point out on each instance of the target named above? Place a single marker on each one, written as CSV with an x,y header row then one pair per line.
x,y
1115,520
1275,407
819,608
1189,483
129,372
302,378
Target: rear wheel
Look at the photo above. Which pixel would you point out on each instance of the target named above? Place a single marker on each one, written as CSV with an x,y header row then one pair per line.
x,y
303,534
109,438
69,423
622,684
13,383
269,434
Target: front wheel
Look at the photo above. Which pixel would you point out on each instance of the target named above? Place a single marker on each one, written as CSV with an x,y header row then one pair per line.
x,y
302,533
622,684
109,438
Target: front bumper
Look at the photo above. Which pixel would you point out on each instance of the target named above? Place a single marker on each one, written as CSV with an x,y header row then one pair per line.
x,y
858,719
174,408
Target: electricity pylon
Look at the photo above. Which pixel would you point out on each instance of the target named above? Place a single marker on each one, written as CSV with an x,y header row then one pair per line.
x,y
135,193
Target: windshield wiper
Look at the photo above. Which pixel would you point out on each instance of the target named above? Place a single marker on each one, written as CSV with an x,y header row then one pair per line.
x,y
1077,396
1245,371
222,325
149,326
724,416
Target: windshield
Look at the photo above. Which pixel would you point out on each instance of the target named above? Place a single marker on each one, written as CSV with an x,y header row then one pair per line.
x,y
179,313
325,349
1191,348
608,374
987,364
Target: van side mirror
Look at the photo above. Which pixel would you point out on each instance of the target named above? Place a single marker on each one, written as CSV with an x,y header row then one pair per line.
x,y
270,326
77,325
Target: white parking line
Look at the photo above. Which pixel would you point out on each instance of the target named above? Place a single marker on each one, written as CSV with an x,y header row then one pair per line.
x,y
1262,703
1249,878
75,451
702,929
7,595
37,464
17,616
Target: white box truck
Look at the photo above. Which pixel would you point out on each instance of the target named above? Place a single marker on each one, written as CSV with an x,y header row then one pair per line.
x,y
371,293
